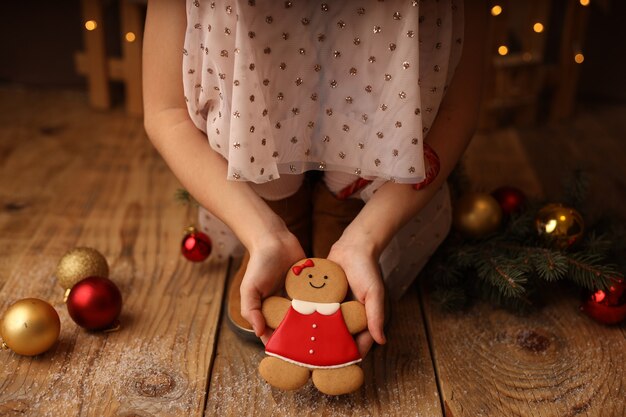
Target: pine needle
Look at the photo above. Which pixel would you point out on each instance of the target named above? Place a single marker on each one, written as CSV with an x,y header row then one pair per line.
x,y
184,197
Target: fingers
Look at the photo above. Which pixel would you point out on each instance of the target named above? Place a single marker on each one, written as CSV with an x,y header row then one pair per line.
x,y
375,313
251,309
266,336
364,342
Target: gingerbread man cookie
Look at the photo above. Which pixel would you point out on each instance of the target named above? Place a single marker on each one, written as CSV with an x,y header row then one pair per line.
x,y
314,329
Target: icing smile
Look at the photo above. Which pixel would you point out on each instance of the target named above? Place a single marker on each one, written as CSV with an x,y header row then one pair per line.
x,y
321,286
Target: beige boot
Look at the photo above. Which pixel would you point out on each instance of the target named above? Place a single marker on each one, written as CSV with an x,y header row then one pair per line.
x,y
331,216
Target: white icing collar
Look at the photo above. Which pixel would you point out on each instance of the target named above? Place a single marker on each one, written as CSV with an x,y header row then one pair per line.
x,y
307,307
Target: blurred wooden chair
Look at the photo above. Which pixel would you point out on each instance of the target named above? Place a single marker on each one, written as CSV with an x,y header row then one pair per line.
x,y
523,70
99,67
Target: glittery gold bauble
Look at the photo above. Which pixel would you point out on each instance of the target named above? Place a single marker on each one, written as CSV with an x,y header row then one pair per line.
x,y
30,326
562,226
476,215
80,263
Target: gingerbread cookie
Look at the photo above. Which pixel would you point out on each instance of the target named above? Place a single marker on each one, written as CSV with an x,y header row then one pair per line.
x,y
314,331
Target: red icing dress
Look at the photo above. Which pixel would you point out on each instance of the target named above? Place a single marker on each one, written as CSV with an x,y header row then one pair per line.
x,y
314,335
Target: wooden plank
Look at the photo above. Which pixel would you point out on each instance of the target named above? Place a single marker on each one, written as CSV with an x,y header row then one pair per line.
x,y
112,192
399,377
30,179
554,362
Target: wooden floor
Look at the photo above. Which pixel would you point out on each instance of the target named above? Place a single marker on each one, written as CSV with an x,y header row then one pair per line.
x,y
73,176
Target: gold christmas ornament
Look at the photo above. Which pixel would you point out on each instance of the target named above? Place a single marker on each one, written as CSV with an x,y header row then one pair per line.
x,y
561,225
476,215
30,326
80,263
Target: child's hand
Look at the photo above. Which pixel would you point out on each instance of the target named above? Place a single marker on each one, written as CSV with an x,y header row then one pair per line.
x,y
269,262
361,267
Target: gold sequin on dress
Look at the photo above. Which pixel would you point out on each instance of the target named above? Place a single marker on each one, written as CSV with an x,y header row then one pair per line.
x,y
291,86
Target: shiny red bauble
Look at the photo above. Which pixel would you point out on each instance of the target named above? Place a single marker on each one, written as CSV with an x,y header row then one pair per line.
x,y
196,246
510,199
94,303
608,307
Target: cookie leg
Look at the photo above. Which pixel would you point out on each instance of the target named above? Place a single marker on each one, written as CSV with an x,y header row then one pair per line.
x,y
338,381
282,374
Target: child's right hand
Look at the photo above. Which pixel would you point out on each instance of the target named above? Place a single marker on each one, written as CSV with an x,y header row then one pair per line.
x,y
265,274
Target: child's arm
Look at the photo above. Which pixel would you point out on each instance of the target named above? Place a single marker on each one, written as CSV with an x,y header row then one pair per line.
x,y
201,170
360,246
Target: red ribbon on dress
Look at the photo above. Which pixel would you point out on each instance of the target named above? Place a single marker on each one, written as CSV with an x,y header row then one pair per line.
x,y
298,268
433,166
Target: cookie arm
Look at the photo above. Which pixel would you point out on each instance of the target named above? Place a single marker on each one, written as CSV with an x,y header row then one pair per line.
x,y
354,316
274,310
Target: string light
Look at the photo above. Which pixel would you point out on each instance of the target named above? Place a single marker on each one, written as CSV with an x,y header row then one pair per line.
x,y
503,50
584,2
91,25
538,27
496,10
579,58
130,37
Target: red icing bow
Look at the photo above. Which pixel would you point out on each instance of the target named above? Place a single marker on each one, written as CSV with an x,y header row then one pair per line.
x,y
298,268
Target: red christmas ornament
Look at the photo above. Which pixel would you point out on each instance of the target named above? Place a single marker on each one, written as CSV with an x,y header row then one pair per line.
x,y
608,307
196,246
94,303
510,199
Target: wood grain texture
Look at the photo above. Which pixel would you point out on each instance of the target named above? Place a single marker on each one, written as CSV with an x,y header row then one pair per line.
x,y
71,176
97,182
399,378
554,362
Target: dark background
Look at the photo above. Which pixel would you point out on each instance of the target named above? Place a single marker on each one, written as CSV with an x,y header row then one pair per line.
x,y
38,40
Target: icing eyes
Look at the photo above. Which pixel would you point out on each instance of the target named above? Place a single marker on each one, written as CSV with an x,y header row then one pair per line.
x,y
325,276
310,276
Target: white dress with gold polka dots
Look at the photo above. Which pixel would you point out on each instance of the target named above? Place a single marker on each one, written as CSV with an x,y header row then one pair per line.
x,y
284,87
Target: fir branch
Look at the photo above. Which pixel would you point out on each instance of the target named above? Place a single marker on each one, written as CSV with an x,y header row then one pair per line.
x,y
444,273
450,298
586,270
597,244
501,273
549,265
464,256
495,296
184,197
521,226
